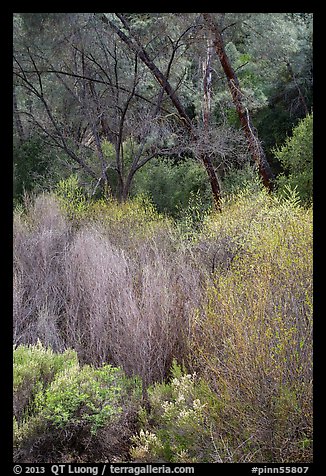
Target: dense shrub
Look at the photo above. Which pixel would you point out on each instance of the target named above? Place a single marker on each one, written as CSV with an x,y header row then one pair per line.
x,y
60,401
116,288
34,369
171,186
252,341
296,156
231,300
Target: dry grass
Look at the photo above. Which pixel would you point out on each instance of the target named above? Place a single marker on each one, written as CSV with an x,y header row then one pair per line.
x,y
76,289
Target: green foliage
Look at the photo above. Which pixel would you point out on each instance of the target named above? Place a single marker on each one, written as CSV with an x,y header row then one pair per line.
x,y
38,364
35,367
296,156
253,83
36,167
246,178
71,197
273,123
30,166
178,430
81,395
173,186
56,392
253,342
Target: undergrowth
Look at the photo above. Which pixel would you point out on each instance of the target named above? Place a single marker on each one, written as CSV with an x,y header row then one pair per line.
x,y
222,299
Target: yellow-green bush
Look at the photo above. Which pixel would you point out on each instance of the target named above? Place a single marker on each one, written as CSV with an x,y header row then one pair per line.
x,y
253,339
134,219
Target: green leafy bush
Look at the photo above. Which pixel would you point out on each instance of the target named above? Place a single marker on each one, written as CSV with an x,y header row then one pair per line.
x,y
35,367
177,427
81,395
172,186
296,157
60,397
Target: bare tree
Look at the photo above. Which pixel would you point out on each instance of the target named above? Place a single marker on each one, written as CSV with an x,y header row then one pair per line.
x,y
135,45
100,100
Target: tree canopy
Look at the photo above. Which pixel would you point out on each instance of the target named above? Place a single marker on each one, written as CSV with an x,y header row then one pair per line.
x,y
102,94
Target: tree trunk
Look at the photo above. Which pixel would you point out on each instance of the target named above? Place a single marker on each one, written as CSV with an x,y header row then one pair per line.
x,y
206,111
254,145
301,96
162,80
207,83
18,122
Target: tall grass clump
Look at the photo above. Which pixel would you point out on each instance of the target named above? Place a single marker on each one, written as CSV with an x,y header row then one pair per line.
x,y
113,284
252,340
41,239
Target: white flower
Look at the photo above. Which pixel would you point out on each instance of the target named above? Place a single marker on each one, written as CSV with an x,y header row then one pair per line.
x,y
180,398
196,404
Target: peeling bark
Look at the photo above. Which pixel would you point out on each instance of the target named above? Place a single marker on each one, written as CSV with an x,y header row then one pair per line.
x,y
207,83
254,145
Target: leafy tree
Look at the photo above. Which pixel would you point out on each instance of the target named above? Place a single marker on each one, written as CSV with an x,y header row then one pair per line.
x,y
32,165
147,85
296,157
